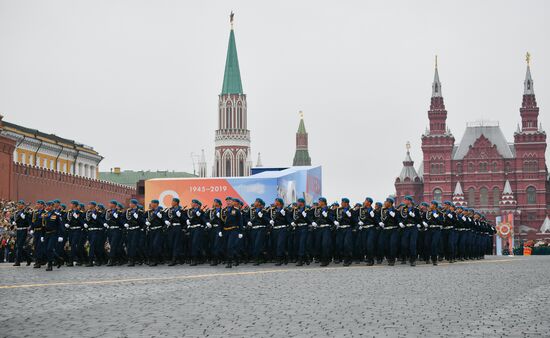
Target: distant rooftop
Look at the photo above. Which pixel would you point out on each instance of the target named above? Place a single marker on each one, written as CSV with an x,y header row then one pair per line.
x,y
131,177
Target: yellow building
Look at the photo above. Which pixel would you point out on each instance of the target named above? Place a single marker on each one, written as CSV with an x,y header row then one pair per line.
x,y
50,151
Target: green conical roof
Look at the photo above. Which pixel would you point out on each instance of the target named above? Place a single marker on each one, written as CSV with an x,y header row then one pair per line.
x,y
232,75
302,127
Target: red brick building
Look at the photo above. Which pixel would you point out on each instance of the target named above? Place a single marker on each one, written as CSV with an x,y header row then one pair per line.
x,y
484,170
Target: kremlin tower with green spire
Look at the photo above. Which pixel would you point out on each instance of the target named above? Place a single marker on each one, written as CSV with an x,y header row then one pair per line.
x,y
301,157
232,144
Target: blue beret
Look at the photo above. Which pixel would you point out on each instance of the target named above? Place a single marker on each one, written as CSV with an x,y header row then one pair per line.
x,y
197,201
81,205
409,198
120,205
101,206
460,207
379,204
140,206
448,203
134,201
94,203
436,203
229,198
21,202
56,201
261,201
280,200
63,206
391,200
175,199
301,200
40,202
424,204
155,201
345,200
358,204
335,204
49,203
369,199
237,201
75,202
113,202
322,199
401,205
217,200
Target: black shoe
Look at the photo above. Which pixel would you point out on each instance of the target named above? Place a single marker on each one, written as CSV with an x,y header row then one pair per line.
x,y
131,263
403,262
17,264
435,263
256,262
69,264
214,262
89,265
370,263
279,263
347,263
324,263
300,263
59,263
110,263
193,263
28,263
172,263
78,264
378,261
391,263
413,263
229,265
37,266
49,268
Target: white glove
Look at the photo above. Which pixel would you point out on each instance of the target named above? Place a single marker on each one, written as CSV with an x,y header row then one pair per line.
x,y
126,225
159,214
178,213
135,215
381,224
220,234
436,215
425,224
260,214
401,225
218,214
464,218
411,213
283,212
325,214
167,223
115,215
361,223
419,226
198,213
249,223
392,213
271,222
13,223
293,224
31,232
240,236
42,239
106,225
336,223
304,213
450,216
60,239
147,223
314,224
371,213
360,228
23,216
86,225
348,213
94,216
75,215
188,222
208,225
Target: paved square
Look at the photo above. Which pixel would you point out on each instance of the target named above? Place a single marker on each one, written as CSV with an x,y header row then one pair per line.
x,y
493,297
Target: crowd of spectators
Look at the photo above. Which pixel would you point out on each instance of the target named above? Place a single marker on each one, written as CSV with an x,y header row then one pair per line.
x,y
7,235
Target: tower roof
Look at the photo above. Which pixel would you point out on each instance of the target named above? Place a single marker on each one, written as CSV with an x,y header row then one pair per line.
x,y
528,83
488,129
458,189
436,85
507,188
301,126
232,75
408,170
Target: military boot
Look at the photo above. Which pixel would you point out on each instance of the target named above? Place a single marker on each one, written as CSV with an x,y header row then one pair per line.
x,y
17,264
49,268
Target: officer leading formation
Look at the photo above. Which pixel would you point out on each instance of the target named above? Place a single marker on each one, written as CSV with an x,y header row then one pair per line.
x,y
232,233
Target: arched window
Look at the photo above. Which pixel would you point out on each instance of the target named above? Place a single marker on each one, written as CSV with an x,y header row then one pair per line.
x,y
496,196
459,168
471,197
495,167
438,194
483,196
470,167
482,167
531,195
228,117
241,167
228,166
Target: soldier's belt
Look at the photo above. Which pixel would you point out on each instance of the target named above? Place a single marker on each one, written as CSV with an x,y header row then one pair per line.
x,y
193,226
155,228
324,225
230,228
367,226
448,227
114,227
94,229
301,224
435,226
410,225
176,223
75,228
461,229
279,226
38,229
345,226
24,228
390,228
258,226
133,228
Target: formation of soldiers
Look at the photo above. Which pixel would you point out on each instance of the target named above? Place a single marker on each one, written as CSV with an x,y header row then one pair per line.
x,y
231,233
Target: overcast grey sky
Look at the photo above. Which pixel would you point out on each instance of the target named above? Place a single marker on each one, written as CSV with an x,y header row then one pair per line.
x,y
138,80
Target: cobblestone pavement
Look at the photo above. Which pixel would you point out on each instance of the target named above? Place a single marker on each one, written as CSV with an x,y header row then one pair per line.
x,y
489,298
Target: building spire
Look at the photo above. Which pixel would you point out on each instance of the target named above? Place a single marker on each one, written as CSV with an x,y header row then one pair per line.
x,y
259,161
436,85
528,83
301,156
232,75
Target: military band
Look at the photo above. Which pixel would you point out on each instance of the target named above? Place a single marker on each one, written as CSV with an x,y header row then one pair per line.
x,y
236,233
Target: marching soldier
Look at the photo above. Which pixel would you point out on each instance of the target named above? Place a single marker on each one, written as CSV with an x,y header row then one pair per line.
x,y
409,221
214,224
258,223
344,241
368,235
113,225
323,219
73,224
93,227
51,224
154,221
448,235
279,222
434,221
175,218
232,217
132,223
20,221
37,231
389,237
300,222
195,225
